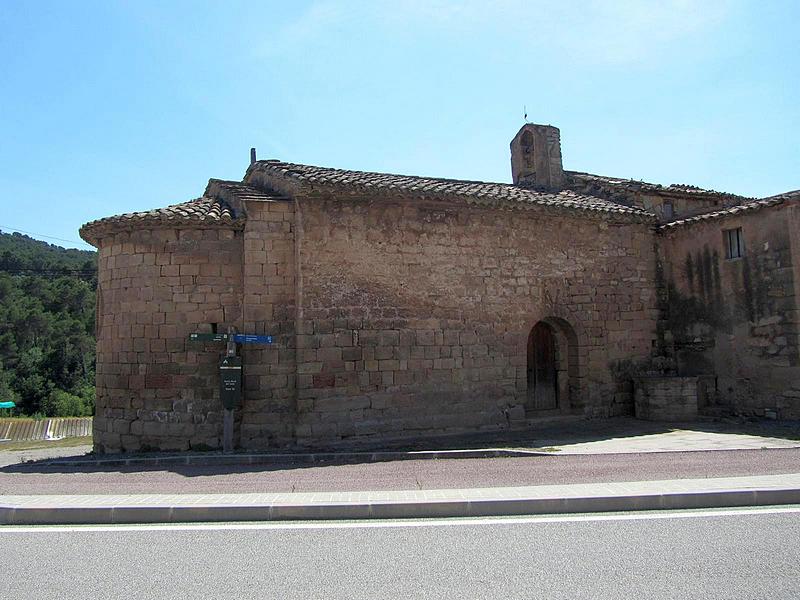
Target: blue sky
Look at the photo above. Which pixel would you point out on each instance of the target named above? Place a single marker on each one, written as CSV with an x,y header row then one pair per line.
x,y
110,107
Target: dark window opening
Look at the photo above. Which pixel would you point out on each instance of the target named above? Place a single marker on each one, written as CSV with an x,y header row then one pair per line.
x,y
527,142
734,243
669,211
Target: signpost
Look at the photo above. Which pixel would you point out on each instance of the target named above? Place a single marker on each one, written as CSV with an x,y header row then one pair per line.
x,y
230,374
248,338
209,337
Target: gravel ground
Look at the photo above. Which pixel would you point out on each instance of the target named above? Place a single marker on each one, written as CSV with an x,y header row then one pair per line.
x,y
607,450
396,475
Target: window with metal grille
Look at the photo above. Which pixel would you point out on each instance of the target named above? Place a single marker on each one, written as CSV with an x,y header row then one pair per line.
x,y
734,243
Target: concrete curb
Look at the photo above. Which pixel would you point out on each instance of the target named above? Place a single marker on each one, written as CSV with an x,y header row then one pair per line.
x,y
500,504
287,458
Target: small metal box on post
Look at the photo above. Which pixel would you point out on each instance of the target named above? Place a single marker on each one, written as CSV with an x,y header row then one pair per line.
x,y
230,375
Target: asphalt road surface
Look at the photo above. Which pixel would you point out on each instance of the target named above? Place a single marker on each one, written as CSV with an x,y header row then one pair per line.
x,y
397,475
725,554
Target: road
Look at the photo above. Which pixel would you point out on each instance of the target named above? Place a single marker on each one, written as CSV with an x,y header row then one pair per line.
x,y
397,475
725,554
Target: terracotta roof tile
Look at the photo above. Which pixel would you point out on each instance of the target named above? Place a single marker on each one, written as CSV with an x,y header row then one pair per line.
x,y
323,179
205,212
239,190
632,185
746,207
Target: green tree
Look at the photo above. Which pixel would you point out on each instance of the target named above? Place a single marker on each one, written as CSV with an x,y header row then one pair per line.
x,y
46,326
59,403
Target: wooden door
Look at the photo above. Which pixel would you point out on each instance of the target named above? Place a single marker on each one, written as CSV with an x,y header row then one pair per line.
x,y
542,368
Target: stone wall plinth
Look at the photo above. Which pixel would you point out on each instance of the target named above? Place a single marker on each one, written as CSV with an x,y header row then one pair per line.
x,y
666,398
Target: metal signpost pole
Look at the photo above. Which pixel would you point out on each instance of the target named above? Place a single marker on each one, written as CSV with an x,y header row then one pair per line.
x,y
230,374
227,413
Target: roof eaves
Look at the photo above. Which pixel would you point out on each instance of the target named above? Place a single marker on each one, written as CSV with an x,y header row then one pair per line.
x,y
204,213
747,207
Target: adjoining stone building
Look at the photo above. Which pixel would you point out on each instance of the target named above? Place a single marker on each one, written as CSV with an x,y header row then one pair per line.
x,y
404,306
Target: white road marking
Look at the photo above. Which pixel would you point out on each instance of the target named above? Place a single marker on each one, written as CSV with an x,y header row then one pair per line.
x,y
378,524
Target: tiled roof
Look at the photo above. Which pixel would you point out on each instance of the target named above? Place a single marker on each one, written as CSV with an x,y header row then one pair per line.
x,y
632,185
205,212
289,177
238,190
746,207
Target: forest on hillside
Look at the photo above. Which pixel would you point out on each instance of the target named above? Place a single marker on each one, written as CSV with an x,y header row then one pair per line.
x,y
47,345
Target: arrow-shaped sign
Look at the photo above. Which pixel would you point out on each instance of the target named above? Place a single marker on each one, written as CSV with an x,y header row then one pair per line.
x,y
247,338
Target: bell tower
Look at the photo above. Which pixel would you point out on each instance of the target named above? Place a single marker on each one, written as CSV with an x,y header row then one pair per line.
x,y
536,157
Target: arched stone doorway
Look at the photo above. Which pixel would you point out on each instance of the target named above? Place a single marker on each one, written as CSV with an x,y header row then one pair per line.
x,y
552,365
542,367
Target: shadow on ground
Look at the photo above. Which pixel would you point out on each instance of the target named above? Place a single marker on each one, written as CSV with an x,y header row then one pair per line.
x,y
540,442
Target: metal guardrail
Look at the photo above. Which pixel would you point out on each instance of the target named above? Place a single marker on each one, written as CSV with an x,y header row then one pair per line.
x,y
23,430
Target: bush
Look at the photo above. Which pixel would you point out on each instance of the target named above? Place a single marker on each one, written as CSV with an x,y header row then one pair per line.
x,y
63,404
87,394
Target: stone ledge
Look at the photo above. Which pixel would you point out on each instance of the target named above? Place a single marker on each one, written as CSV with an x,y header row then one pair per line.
x,y
578,498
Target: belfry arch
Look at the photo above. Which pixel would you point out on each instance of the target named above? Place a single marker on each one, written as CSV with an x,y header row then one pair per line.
x,y
552,366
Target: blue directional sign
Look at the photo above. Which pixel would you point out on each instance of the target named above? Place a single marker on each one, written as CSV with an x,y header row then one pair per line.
x,y
246,338
239,338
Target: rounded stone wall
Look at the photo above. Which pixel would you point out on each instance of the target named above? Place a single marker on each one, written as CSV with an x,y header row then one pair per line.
x,y
155,389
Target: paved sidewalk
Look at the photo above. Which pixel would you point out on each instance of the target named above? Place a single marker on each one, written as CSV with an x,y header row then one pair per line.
x,y
677,440
576,466
367,474
621,435
548,499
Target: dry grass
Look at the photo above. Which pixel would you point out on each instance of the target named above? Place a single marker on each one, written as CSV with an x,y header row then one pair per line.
x,y
38,444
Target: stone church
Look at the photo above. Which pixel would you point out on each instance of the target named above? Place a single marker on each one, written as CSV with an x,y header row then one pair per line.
x,y
405,306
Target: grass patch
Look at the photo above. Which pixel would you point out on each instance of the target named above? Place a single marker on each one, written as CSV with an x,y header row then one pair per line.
x,y
70,442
